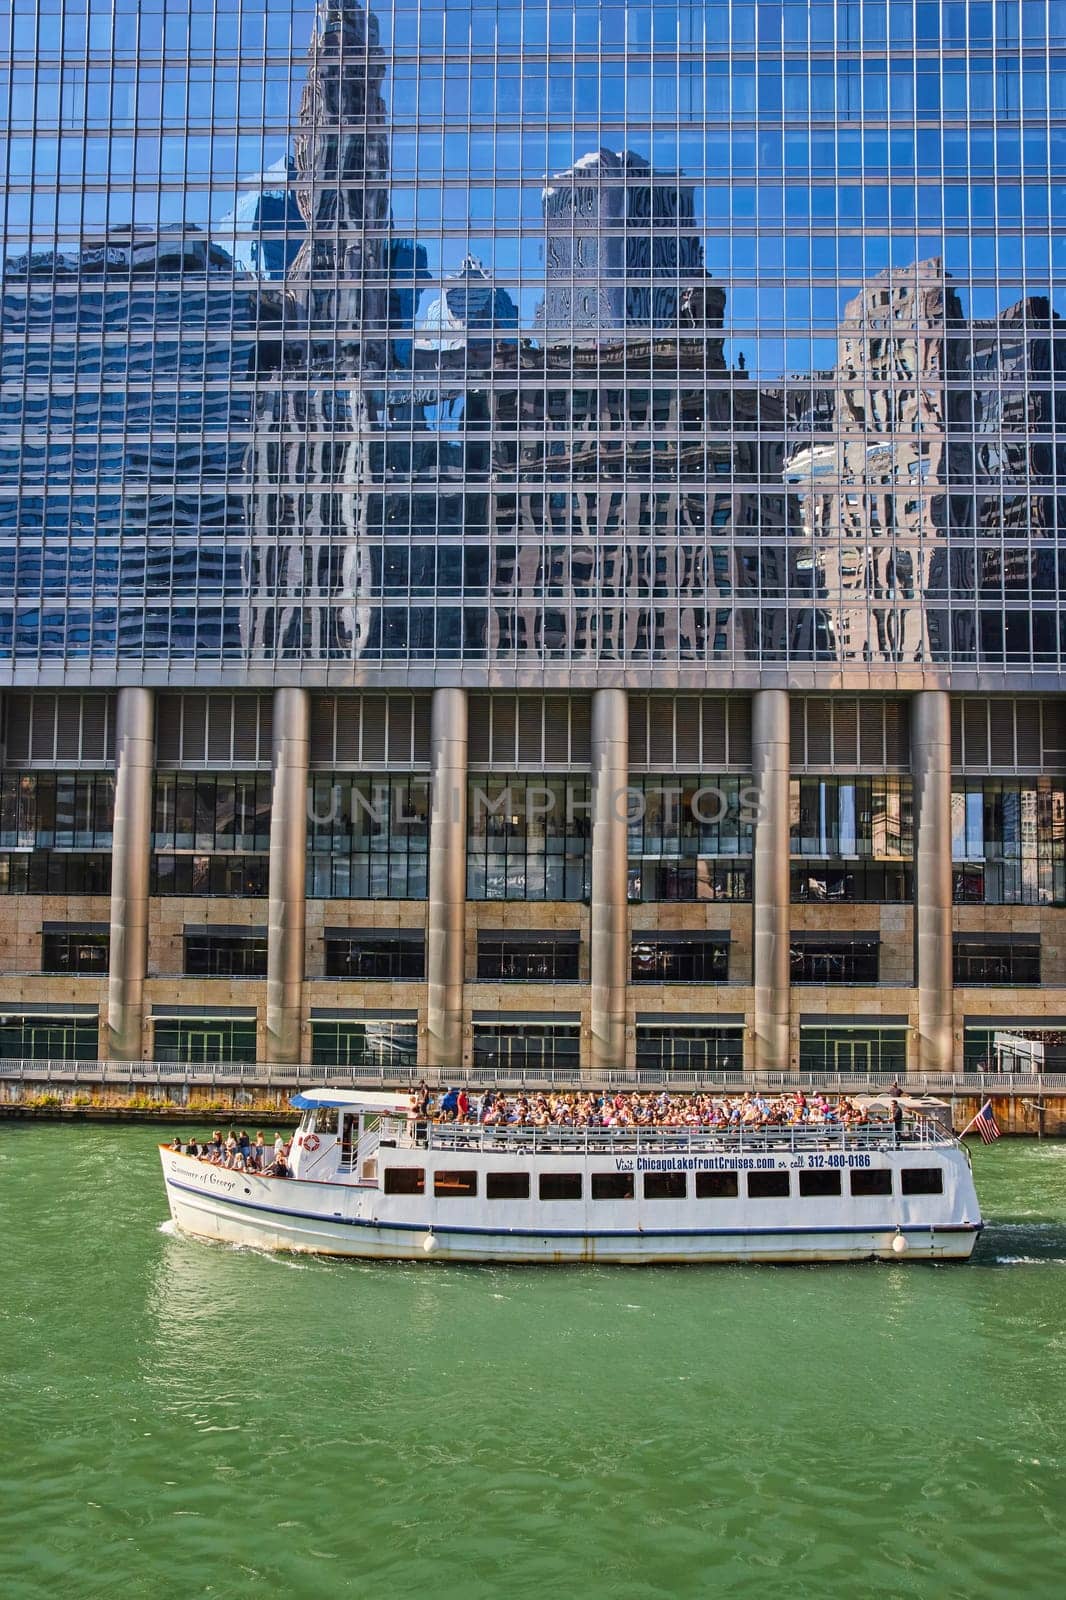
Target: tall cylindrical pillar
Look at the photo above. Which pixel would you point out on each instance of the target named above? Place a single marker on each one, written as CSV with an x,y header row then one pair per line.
x,y
609,923
131,855
287,912
446,921
931,771
770,898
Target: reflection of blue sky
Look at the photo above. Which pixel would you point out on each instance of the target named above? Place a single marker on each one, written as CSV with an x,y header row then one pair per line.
x,y
264,230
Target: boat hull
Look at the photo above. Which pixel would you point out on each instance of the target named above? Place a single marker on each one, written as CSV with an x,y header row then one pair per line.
x,y
338,1219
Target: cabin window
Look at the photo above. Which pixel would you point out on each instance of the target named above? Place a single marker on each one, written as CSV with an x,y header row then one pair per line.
x,y
877,1181
324,1120
716,1186
507,1185
767,1185
816,1184
560,1186
454,1185
922,1180
405,1180
612,1186
665,1186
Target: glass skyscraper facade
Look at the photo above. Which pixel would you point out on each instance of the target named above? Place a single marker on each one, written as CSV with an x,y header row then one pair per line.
x,y
523,399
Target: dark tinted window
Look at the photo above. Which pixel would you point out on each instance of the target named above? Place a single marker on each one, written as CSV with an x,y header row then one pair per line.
x,y
560,1186
716,1186
612,1186
75,949
665,1186
405,1180
767,1185
922,1180
1008,959
225,953
819,1183
453,1185
680,958
375,955
874,1182
507,1185
529,957
822,960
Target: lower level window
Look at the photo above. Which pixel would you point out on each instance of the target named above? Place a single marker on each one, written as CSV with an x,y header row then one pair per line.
x,y
922,1180
768,1185
689,1048
844,960
528,1046
859,1049
208,1039
528,957
363,1043
1014,1047
665,1186
817,1184
560,1186
75,949
612,1186
405,1180
716,1186
1010,959
225,953
507,1186
454,1185
873,1182
680,958
386,953
45,1038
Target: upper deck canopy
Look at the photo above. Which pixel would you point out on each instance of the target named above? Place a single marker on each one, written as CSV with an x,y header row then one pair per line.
x,y
384,1101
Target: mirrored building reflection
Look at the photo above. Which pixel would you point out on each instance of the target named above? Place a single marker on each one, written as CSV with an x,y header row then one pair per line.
x,y
514,398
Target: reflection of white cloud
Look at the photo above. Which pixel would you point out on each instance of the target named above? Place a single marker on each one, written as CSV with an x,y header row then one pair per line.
x,y
264,230
469,303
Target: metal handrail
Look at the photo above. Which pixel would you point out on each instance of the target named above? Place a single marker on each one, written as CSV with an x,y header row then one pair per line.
x,y
282,1075
917,1132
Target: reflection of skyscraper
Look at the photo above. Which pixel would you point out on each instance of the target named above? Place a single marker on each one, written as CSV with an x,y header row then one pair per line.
x,y
321,429
479,384
874,496
622,250
127,526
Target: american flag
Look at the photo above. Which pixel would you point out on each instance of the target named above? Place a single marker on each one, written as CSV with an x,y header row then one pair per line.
x,y
985,1123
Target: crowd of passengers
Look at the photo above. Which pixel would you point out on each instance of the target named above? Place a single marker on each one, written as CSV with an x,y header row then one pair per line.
x,y
634,1110
239,1152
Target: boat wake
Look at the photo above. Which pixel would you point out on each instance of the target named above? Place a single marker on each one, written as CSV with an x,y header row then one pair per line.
x,y
1031,1261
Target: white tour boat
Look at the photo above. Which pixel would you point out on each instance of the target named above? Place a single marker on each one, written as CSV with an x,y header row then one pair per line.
x,y
369,1181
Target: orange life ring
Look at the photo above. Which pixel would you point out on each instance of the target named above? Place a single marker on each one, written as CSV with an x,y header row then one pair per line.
x,y
312,1141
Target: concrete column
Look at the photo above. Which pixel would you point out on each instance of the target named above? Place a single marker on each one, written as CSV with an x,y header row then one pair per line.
x,y
609,925
286,913
931,770
446,922
131,855
770,898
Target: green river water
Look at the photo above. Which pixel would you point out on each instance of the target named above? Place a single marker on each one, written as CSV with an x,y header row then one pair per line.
x,y
186,1420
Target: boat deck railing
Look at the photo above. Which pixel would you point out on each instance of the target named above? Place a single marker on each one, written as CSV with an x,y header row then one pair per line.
x,y
916,1133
